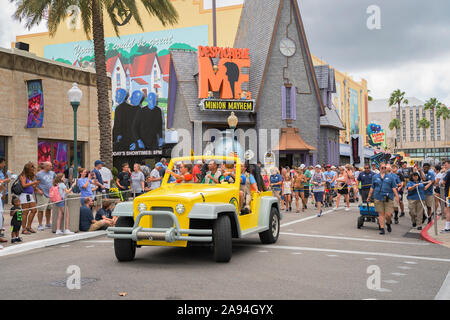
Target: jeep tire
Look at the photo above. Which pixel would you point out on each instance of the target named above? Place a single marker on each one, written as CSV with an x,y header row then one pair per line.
x,y
222,239
124,249
271,236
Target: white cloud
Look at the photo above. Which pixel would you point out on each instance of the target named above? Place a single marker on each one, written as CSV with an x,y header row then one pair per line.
x,y
10,28
423,80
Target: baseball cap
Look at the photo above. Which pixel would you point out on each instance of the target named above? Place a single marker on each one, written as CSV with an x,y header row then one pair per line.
x,y
302,166
159,164
328,165
333,167
99,162
318,166
199,162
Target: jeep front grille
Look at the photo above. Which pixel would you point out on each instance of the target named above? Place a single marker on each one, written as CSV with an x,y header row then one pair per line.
x,y
162,221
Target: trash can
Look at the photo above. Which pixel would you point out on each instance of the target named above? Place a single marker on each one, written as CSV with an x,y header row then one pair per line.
x,y
73,210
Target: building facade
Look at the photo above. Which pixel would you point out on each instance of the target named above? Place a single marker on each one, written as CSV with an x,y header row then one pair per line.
x,y
417,143
54,140
351,101
283,84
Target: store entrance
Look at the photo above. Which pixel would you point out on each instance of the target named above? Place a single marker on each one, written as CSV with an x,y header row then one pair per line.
x,y
286,160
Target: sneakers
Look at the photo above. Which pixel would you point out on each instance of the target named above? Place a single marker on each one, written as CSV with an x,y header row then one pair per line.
x,y
40,227
396,220
67,231
414,225
347,209
388,227
320,214
382,231
59,232
335,208
445,231
402,214
48,226
419,228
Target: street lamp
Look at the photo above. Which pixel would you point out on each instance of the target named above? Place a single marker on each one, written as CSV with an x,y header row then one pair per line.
x,y
75,95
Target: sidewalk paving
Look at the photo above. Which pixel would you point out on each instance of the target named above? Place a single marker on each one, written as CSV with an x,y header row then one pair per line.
x,y
40,239
441,237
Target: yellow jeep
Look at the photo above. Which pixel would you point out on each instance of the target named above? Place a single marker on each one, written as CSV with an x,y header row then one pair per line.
x,y
177,214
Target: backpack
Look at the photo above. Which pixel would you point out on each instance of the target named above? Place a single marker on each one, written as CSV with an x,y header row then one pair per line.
x,y
16,187
55,196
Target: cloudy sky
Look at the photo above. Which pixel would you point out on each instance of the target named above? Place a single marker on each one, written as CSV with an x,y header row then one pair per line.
x,y
411,51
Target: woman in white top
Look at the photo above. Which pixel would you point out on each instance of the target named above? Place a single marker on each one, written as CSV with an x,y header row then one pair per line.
x,y
342,188
287,187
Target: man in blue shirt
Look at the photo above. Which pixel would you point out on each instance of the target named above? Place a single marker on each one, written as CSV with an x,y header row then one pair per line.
x,y
428,175
384,189
416,196
365,178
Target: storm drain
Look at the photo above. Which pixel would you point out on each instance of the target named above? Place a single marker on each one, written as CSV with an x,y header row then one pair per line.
x,y
63,283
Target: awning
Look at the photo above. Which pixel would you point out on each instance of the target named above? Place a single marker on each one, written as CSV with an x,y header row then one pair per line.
x,y
290,140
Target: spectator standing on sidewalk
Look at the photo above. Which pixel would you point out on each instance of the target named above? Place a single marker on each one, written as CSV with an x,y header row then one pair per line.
x,y
446,182
58,193
107,178
3,191
137,181
275,184
384,189
86,184
98,182
28,182
145,169
16,220
45,178
123,181
286,189
155,177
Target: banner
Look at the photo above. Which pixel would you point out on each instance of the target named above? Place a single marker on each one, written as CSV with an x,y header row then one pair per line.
x,y
35,104
377,136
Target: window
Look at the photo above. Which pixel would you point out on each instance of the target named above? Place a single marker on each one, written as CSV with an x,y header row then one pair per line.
x,y
404,124
438,129
288,103
58,153
3,147
118,80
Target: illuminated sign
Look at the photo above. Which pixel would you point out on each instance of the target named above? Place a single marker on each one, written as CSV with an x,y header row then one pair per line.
x,y
223,70
228,105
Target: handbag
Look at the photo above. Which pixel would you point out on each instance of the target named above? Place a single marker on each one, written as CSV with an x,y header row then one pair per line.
x,y
16,187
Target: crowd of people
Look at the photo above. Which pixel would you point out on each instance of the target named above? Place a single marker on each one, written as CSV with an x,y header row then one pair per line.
x,y
37,189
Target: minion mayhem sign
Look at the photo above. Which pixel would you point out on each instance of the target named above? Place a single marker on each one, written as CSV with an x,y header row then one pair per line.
x,y
224,71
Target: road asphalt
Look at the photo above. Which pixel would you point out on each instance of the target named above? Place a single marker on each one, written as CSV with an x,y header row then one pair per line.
x,y
314,258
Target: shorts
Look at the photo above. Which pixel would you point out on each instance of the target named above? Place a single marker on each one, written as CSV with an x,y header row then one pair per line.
x,y
42,202
298,191
429,200
15,225
318,196
26,198
59,204
386,207
343,190
98,225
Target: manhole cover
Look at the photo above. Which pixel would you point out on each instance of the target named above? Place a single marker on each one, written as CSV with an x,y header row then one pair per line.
x,y
63,283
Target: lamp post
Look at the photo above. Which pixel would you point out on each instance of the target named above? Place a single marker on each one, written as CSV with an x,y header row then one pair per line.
x,y
75,95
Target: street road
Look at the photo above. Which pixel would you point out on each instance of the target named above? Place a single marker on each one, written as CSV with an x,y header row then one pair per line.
x,y
315,258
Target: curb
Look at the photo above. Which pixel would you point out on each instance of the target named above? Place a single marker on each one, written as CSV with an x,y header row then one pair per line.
x,y
425,235
49,242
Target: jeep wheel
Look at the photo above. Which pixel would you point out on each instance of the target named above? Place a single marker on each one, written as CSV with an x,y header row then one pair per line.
x,y
271,236
222,239
125,249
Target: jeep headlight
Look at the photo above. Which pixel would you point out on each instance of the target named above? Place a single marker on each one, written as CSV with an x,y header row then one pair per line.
x,y
142,207
180,208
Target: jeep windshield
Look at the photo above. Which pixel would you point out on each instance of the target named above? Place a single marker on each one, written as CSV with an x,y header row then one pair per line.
x,y
203,170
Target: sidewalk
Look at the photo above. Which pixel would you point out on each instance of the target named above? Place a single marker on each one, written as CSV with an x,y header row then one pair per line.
x,y
444,238
40,239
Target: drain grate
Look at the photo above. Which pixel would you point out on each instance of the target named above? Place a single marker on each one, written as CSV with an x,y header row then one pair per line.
x,y
63,283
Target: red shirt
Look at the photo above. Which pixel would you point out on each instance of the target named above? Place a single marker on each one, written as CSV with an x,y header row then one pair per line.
x,y
187,177
196,170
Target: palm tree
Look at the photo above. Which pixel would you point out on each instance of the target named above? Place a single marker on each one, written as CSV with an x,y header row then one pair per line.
x,y
397,98
395,124
432,105
424,124
32,13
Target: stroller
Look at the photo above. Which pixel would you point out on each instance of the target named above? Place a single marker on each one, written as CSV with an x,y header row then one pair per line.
x,y
329,195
